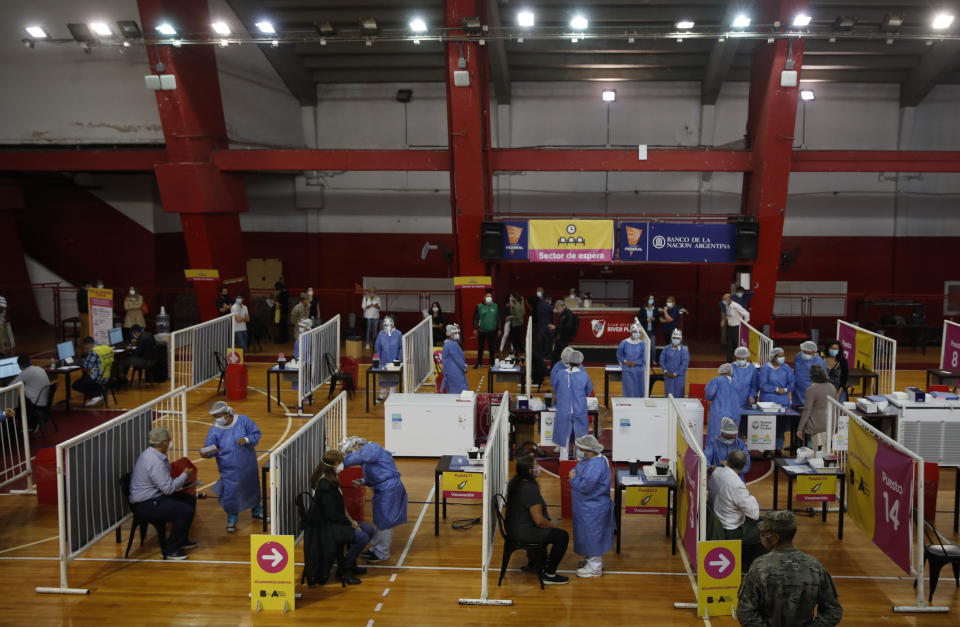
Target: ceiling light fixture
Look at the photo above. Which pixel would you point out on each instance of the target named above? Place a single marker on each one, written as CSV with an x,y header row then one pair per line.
x,y
166,29
417,25
741,21
802,20
525,19
36,32
266,28
609,95
101,29
220,28
807,95
579,23
685,24
942,21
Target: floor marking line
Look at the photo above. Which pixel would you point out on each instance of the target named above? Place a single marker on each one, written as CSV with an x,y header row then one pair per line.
x,y
386,591
378,608
413,534
23,546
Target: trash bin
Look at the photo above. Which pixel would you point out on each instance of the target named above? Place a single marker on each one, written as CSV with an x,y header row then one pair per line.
x,y
353,347
353,496
236,382
45,475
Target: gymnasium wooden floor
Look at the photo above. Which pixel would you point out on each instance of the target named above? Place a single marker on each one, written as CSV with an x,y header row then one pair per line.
x,y
424,578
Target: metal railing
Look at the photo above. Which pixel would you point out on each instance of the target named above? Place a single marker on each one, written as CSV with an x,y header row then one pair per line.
x,y
866,350
195,353
14,442
293,462
691,514
417,356
496,462
90,501
756,342
312,349
648,352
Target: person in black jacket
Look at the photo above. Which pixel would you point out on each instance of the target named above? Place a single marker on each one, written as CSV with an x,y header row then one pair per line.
x,y
140,353
565,329
328,526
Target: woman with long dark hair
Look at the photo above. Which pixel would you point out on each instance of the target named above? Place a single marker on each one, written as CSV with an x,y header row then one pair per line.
x,y
527,519
837,369
436,323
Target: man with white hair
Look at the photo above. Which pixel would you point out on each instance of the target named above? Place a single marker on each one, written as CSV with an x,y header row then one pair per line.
x,y
157,497
733,314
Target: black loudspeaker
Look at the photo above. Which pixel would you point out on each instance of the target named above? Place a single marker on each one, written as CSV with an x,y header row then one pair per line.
x,y
491,240
746,244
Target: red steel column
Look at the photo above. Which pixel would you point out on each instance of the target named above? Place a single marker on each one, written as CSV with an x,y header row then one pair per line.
x,y
21,304
468,120
208,201
770,124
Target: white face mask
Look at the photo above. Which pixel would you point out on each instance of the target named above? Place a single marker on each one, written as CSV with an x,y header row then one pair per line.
x,y
539,294
741,362
339,468
635,335
781,359
488,299
456,337
669,303
99,286
388,329
806,355
239,301
221,421
309,292
650,301
579,454
675,341
133,292
436,309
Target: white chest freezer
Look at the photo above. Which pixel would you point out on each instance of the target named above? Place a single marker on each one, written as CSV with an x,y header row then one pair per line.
x,y
641,429
930,429
428,425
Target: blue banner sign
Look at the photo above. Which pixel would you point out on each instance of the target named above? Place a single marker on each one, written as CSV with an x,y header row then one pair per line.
x,y
515,240
677,242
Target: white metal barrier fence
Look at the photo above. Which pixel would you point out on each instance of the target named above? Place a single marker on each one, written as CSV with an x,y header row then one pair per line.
x,y
915,523
199,353
648,352
528,358
417,356
14,438
496,461
318,357
872,351
756,342
293,462
692,503
90,501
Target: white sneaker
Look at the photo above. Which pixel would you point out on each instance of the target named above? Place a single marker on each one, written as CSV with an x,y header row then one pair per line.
x,y
368,347
587,572
96,400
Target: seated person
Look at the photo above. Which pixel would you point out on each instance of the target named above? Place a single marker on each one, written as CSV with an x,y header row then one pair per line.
x,y
97,364
328,525
736,509
527,520
35,384
141,352
719,448
156,496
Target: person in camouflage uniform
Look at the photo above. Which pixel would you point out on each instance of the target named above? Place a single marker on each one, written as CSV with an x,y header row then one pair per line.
x,y
785,586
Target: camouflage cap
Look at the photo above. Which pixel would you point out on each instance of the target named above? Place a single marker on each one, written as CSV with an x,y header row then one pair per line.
x,y
777,520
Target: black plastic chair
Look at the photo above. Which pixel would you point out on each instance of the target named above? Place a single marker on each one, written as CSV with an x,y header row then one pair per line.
x,y
109,387
336,375
148,367
510,545
222,367
140,523
939,554
46,413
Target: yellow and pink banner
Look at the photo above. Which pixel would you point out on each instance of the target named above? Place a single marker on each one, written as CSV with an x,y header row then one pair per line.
x,y
571,241
880,493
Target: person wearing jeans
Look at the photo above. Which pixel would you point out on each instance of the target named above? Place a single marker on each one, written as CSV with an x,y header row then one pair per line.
x,y
527,519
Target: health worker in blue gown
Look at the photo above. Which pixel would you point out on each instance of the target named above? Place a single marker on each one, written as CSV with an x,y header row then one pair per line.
x,y
717,449
674,361
593,518
776,382
454,363
561,365
801,370
389,496
722,395
744,378
236,438
632,357
571,391
389,346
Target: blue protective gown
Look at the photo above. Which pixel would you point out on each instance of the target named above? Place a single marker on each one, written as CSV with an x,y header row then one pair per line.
x,y
675,360
454,369
634,381
801,376
572,387
593,518
745,380
389,346
771,378
718,448
380,472
239,484
722,395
